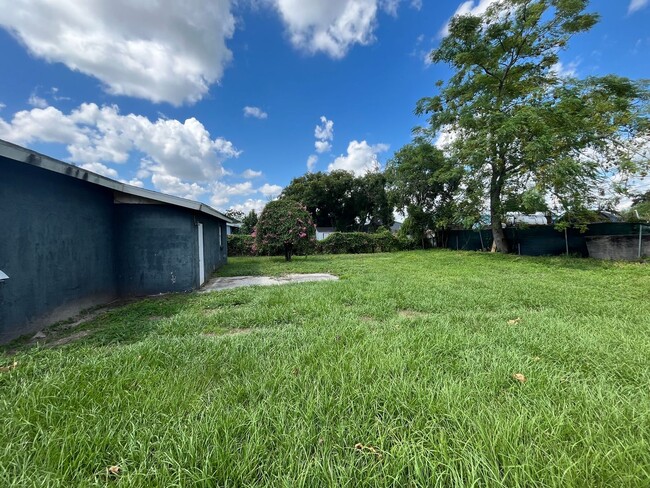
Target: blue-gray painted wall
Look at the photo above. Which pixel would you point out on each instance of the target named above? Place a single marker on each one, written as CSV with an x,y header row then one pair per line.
x,y
67,246
159,250
57,247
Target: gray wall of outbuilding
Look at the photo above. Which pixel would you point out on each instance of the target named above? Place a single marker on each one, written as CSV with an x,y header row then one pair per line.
x,y
66,246
57,247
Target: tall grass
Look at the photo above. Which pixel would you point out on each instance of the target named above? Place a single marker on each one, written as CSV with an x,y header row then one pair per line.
x,y
400,374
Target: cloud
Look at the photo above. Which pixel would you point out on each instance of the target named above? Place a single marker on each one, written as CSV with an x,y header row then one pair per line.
x,y
2,105
249,173
251,204
101,134
328,26
270,191
636,5
36,101
322,146
311,162
173,185
324,131
181,158
360,159
100,169
163,53
569,70
256,112
469,7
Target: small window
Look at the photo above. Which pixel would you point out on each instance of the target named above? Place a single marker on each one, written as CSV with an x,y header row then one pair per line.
x,y
220,243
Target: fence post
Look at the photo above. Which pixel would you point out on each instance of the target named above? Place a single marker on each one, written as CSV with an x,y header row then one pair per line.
x,y
640,238
566,242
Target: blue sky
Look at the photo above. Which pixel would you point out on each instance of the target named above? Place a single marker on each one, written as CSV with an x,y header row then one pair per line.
x,y
226,101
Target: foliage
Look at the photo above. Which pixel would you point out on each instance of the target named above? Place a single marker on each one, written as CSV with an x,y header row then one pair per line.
x,y
341,200
422,183
249,222
515,124
241,245
410,353
640,209
417,226
362,243
234,214
285,226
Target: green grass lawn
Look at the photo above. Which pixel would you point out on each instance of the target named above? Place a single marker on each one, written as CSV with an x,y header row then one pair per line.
x,y
409,357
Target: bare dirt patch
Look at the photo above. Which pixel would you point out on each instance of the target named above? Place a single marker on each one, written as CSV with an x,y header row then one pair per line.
x,y
411,314
68,339
218,284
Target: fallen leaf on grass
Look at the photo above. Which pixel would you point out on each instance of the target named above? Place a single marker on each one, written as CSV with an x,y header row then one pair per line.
x,y
5,369
113,470
371,450
519,377
514,321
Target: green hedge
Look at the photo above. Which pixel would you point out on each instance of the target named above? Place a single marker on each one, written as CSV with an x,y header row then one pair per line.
x,y
241,245
335,243
361,243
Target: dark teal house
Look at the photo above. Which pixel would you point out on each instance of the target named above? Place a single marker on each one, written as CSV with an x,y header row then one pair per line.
x,y
71,239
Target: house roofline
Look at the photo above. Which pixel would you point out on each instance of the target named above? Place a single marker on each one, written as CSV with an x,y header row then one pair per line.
x,y
33,158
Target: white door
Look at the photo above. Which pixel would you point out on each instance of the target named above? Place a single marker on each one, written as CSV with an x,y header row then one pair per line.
x,y
201,266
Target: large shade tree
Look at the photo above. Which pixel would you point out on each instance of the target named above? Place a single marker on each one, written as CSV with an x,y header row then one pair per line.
x,y
516,125
422,184
341,200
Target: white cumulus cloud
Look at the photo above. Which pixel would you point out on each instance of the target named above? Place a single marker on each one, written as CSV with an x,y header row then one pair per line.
x,y
100,169
636,5
249,173
255,112
311,162
325,130
270,191
322,146
169,52
360,158
328,26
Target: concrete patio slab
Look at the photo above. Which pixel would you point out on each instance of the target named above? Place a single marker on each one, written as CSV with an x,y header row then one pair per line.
x,y
218,284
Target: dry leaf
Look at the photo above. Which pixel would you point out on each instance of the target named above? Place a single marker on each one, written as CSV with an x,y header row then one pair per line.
x,y
114,470
536,358
5,369
358,446
514,321
519,377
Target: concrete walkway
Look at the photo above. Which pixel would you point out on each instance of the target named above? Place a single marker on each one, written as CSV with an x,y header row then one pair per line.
x,y
218,284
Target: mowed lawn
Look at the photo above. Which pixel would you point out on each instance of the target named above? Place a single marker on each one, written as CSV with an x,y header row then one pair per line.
x,y
400,374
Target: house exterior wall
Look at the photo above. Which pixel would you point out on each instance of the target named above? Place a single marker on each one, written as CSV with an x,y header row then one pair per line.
x,y
157,249
56,244
215,245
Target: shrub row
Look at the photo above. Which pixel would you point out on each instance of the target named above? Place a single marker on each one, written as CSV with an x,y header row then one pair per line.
x,y
335,243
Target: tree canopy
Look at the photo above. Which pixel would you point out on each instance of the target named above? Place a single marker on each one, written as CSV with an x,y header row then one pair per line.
x,y
341,200
285,226
519,129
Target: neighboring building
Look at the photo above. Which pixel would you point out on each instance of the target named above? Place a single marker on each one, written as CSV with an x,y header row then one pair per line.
x,y
233,228
72,239
323,232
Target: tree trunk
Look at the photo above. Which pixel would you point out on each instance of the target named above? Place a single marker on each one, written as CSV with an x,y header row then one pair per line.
x,y
499,242
288,251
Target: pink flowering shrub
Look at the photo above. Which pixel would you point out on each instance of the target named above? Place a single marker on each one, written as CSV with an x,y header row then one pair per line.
x,y
284,227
